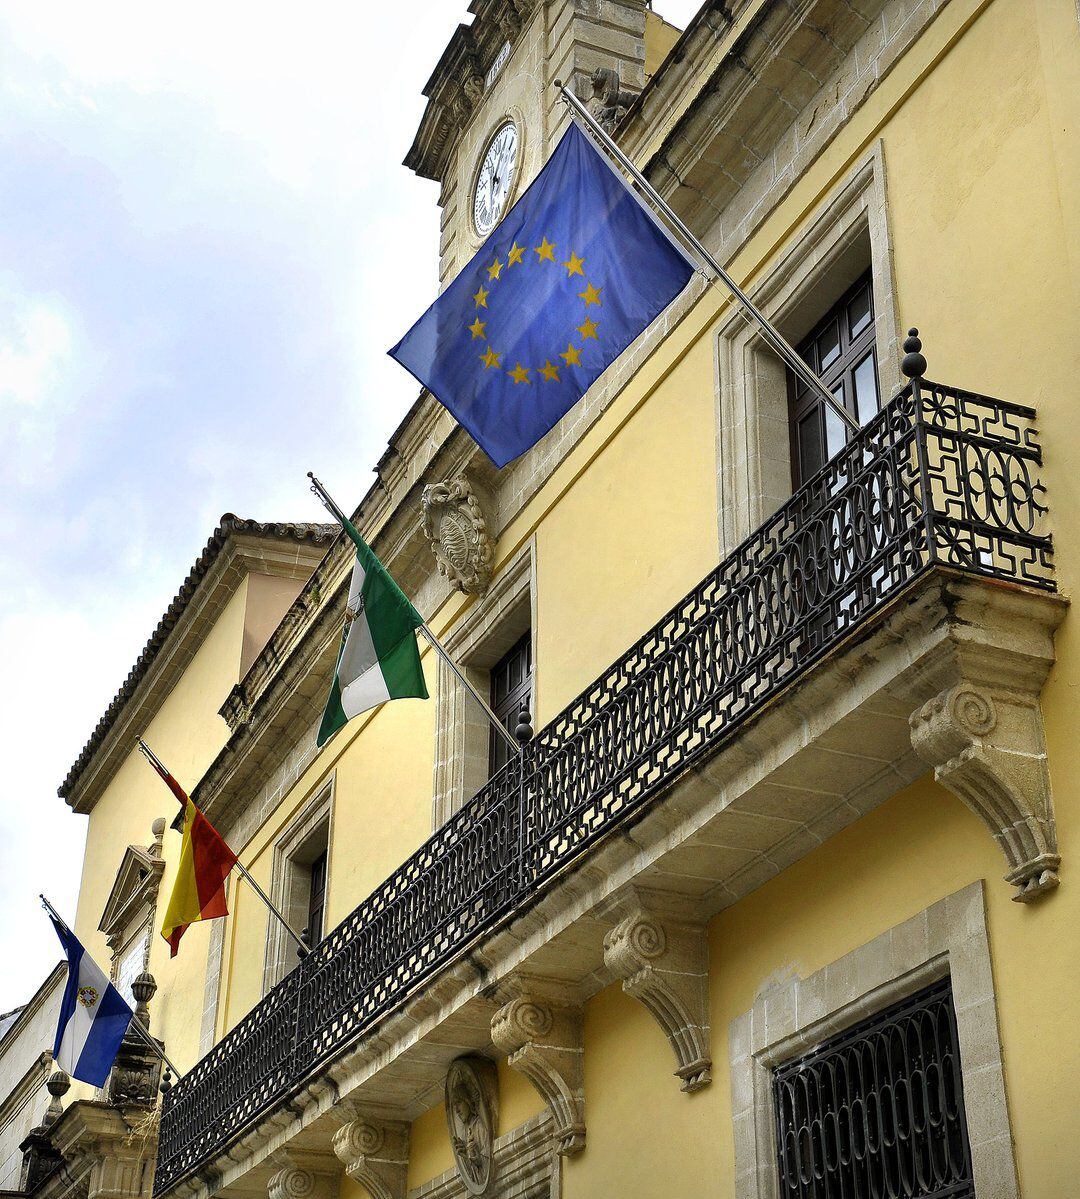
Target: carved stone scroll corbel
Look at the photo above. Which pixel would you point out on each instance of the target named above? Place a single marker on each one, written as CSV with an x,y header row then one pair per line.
x,y
543,1039
376,1154
665,965
989,751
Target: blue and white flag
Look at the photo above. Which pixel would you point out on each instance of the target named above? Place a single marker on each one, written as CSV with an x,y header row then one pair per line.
x,y
570,276
93,1016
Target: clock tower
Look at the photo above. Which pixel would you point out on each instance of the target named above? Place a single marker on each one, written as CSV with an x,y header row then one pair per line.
x,y
493,117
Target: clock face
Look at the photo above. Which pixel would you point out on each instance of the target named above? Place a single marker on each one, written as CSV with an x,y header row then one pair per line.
x,y
496,176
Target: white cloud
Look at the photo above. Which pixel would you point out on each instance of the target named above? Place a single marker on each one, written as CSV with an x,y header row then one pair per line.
x,y
35,347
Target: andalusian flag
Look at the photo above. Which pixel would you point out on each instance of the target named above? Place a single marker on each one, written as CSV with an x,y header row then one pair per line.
x,y
379,659
205,861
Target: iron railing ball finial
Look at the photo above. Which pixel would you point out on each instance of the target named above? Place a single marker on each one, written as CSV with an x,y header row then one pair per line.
x,y
523,730
303,950
166,1082
913,364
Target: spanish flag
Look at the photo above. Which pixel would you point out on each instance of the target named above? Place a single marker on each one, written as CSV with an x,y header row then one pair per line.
x,y
205,862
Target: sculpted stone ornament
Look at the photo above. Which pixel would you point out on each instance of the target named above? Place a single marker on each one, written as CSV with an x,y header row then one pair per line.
x,y
454,523
664,964
375,1153
609,101
472,1108
543,1040
136,1072
989,751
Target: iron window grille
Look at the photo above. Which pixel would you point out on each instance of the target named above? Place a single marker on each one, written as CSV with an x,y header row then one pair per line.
x,y
939,478
877,1112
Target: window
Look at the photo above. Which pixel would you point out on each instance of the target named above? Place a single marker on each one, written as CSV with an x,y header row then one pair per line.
x,y
299,885
842,350
131,963
879,1109
511,689
316,900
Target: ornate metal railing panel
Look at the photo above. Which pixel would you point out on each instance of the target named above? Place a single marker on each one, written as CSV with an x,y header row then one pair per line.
x,y
878,1111
939,477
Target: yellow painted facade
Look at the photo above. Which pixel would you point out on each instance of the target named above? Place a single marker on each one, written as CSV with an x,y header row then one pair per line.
x,y
984,243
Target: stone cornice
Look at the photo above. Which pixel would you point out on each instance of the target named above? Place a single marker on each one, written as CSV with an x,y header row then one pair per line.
x,y
32,1005
457,85
666,94
136,884
733,85
236,548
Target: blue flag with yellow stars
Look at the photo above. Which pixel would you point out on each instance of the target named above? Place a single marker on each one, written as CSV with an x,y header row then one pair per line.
x,y
570,276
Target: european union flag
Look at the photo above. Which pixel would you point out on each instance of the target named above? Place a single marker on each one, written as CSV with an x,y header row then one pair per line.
x,y
571,275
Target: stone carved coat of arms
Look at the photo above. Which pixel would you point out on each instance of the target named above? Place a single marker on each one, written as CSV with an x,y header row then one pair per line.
x,y
454,523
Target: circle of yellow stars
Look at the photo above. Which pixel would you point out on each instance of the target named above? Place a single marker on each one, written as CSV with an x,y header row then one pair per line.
x,y
587,330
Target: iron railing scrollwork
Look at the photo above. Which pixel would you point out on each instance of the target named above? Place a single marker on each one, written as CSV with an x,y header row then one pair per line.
x,y
940,477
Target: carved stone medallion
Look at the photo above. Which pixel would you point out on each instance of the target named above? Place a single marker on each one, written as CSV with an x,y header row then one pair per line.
x,y
472,1113
455,525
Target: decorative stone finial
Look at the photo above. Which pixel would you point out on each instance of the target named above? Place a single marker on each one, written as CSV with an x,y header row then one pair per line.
x,y
523,730
158,831
58,1085
144,988
914,364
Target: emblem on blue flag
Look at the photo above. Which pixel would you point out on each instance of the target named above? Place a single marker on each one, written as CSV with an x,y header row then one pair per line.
x,y
573,273
93,1014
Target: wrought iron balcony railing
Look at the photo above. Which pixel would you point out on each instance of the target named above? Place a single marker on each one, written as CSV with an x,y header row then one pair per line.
x,y
940,477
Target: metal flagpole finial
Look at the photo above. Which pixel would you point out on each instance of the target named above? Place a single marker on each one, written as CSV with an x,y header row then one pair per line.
x,y
327,502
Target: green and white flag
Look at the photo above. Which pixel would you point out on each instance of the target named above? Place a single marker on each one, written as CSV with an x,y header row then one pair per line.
x,y
379,658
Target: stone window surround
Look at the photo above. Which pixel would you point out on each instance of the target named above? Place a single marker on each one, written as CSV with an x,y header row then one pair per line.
x,y
791,1015
313,825
478,640
142,927
825,256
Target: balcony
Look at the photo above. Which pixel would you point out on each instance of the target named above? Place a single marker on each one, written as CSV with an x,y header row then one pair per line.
x,y
938,494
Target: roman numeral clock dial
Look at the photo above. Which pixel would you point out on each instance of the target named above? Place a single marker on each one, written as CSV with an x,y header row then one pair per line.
x,y
495,178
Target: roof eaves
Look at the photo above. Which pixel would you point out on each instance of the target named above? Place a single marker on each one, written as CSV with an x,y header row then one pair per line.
x,y
230,525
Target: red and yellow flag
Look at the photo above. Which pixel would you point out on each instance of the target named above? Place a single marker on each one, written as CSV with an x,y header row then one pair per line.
x,y
205,861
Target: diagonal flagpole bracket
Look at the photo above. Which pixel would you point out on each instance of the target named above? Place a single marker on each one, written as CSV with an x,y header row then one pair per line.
x,y
706,263
302,947
429,636
151,1041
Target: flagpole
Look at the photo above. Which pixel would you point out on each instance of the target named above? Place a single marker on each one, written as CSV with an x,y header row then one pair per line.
x,y
301,948
432,640
771,334
140,1028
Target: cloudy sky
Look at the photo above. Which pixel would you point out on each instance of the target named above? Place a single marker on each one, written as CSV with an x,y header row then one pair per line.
x,y
207,243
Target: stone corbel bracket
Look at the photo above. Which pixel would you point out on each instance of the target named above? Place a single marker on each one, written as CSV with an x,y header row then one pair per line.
x,y
375,1153
542,1038
664,964
302,1176
988,749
